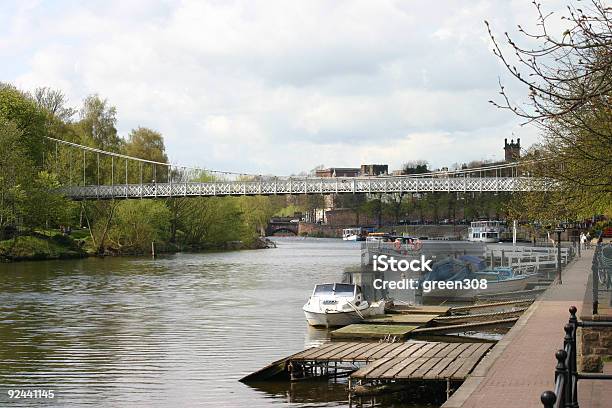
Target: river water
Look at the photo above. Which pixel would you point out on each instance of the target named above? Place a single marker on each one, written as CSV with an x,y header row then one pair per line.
x,y
176,331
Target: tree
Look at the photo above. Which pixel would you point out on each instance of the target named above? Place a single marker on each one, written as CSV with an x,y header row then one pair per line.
x,y
98,121
54,102
56,210
568,79
16,172
137,223
148,144
415,167
19,108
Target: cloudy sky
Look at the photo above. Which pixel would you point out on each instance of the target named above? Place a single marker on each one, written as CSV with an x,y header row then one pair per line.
x,y
278,87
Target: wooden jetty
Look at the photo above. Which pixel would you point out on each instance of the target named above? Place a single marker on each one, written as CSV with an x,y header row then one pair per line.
x,y
447,362
425,361
373,331
458,328
529,294
420,310
368,363
410,319
478,317
494,305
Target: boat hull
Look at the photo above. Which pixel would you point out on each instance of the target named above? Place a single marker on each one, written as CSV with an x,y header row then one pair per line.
x,y
493,287
353,238
331,319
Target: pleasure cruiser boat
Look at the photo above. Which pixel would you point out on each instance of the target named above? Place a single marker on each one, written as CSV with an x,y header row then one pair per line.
x,y
485,231
339,304
353,234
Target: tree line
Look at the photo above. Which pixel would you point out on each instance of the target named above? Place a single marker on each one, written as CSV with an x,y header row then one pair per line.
x,y
33,168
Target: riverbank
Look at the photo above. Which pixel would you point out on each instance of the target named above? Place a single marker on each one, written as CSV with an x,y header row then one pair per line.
x,y
38,246
41,247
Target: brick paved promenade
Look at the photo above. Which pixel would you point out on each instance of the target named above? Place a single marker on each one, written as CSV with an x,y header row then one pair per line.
x,y
522,364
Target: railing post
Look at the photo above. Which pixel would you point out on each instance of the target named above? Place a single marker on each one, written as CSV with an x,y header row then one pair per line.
x,y
561,371
595,278
573,322
570,368
548,399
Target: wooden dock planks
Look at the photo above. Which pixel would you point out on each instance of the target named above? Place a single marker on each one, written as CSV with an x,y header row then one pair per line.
x,y
458,328
412,360
410,319
431,361
478,317
372,331
421,310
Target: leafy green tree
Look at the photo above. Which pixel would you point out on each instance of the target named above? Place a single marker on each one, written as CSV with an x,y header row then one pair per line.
x,y
137,223
53,101
19,108
147,144
43,206
98,121
256,212
211,222
15,175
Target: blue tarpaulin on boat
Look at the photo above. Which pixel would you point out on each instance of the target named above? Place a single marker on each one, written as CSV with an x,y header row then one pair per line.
x,y
477,263
449,269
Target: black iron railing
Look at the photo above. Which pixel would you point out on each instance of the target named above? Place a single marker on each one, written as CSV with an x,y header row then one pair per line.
x,y
565,394
602,273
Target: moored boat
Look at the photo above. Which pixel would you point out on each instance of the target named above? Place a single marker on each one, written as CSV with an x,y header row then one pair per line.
x,y
467,277
339,304
485,231
353,234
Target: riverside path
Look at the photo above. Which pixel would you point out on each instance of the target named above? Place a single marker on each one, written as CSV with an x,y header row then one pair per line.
x,y
522,365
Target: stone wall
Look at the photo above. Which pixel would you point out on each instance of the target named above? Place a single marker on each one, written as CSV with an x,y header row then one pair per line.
x,y
346,218
318,230
596,345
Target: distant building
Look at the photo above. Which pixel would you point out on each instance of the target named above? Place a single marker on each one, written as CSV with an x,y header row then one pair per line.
x,y
512,150
338,172
374,169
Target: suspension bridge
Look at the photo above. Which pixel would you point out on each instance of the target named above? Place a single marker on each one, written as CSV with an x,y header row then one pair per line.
x,y
88,173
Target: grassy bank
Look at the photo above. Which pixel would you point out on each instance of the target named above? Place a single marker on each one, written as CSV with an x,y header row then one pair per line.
x,y
43,245
39,246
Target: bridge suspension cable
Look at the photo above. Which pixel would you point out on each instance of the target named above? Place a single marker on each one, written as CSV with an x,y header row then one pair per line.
x,y
137,159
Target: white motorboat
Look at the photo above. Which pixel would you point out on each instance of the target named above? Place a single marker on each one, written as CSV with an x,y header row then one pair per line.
x,y
339,304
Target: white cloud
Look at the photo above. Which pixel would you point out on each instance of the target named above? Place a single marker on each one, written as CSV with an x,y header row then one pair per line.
x,y
278,87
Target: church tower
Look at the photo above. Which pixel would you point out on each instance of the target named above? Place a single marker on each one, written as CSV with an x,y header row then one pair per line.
x,y
512,150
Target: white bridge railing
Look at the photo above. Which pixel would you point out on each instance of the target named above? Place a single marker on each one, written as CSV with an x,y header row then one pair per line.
x,y
324,185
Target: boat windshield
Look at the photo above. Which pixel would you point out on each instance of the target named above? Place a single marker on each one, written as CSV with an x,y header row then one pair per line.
x,y
337,289
344,290
325,289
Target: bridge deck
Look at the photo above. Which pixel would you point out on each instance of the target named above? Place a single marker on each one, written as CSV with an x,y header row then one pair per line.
x,y
323,185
